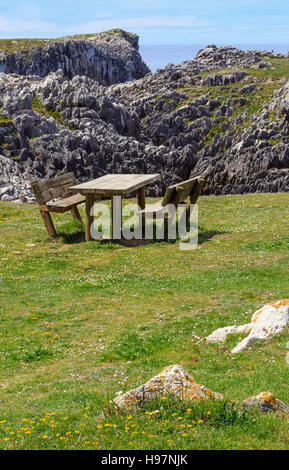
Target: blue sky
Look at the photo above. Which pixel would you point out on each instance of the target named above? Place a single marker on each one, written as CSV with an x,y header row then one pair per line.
x,y
155,21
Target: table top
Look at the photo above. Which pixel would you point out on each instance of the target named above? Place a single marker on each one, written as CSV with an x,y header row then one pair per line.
x,y
115,184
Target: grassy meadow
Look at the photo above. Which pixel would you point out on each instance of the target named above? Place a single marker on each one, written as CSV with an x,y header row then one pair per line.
x,y
80,322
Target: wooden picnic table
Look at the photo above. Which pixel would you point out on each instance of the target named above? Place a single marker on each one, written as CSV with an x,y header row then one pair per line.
x,y
113,185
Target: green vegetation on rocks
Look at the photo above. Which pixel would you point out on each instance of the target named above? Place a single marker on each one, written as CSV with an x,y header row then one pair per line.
x,y
22,44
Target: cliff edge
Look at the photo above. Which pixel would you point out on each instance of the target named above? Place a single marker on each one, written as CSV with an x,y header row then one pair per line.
x,y
109,57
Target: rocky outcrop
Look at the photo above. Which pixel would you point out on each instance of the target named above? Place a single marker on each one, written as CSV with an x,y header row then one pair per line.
x,y
266,402
14,180
183,121
268,321
226,56
109,57
218,79
59,125
173,381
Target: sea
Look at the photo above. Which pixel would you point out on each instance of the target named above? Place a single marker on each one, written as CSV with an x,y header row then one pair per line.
x,y
158,56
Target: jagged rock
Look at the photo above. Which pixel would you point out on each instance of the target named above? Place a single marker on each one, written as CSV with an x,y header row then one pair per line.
x,y
266,402
173,381
247,89
13,181
16,100
109,57
151,124
221,79
264,64
226,55
34,125
268,321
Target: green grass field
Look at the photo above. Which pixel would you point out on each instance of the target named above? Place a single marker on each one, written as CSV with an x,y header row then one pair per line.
x,y
80,322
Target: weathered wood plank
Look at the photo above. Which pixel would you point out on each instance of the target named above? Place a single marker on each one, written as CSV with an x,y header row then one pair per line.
x,y
183,190
59,191
66,203
176,194
43,185
115,184
46,190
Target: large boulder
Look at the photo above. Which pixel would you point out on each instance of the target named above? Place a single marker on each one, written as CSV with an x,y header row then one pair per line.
x,y
268,321
173,381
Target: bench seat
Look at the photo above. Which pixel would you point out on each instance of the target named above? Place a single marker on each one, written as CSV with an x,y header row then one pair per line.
x,y
64,205
153,208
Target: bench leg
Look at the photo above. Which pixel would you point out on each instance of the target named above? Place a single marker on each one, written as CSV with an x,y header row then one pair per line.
x,y
188,210
75,213
141,200
49,224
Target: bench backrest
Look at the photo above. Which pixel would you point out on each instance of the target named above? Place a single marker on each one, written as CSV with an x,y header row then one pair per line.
x,y
45,190
177,193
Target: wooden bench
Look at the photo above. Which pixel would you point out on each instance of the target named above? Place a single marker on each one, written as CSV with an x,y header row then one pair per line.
x,y
176,194
53,195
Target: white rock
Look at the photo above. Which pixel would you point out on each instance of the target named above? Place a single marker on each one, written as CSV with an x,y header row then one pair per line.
x,y
220,335
269,320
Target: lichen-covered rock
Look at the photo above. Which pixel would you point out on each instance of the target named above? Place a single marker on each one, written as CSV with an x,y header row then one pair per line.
x,y
173,381
268,321
266,402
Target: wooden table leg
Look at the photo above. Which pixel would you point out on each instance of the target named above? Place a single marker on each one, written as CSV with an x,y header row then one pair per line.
x,y
141,200
89,200
116,217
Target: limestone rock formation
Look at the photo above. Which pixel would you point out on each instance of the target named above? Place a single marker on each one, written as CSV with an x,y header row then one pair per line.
x,y
266,402
268,321
227,55
109,57
173,381
14,180
183,121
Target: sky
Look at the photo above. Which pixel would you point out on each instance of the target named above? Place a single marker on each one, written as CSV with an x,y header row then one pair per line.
x,y
155,21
